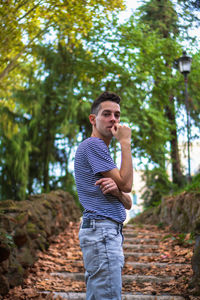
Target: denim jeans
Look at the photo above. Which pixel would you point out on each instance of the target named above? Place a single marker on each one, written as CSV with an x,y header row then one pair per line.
x,y
101,244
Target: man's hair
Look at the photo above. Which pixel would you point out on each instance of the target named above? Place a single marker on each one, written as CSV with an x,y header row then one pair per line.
x,y
105,96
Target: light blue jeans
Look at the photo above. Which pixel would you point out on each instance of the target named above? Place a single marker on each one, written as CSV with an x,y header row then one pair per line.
x,y
101,243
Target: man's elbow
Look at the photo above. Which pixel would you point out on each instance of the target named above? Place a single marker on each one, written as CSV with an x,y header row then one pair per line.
x,y
126,188
129,206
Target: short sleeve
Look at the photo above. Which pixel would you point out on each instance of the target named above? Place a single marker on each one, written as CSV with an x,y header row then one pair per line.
x,y
99,156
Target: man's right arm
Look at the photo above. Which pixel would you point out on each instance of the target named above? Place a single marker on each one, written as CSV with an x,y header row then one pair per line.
x,y
123,176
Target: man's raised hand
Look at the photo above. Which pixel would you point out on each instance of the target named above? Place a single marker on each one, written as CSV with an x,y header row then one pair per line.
x,y
121,132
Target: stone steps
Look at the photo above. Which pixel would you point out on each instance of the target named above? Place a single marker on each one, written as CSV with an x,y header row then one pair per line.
x,y
140,246
82,296
125,278
147,275
140,265
135,246
134,234
142,241
140,254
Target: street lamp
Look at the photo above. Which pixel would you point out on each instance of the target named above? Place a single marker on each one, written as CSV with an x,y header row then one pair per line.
x,y
184,64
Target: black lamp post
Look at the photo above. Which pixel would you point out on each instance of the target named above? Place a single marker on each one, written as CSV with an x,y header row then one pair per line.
x,y
184,64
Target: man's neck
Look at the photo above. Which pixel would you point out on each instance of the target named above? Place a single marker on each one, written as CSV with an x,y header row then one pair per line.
x,y
106,140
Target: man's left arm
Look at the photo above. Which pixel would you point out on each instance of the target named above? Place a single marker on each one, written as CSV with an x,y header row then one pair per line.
x,y
108,185
125,199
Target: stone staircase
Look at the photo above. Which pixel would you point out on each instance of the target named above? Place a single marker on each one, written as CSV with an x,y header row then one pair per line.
x,y
156,267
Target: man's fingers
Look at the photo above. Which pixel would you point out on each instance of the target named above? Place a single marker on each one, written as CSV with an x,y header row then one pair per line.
x,y
114,128
100,181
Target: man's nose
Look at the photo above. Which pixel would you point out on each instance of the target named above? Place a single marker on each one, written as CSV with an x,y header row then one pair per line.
x,y
113,118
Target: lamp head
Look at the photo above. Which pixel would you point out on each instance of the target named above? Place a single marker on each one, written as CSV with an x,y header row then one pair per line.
x,y
184,64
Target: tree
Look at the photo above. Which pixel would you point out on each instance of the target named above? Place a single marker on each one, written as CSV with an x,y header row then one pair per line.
x,y
166,25
26,22
39,77
139,56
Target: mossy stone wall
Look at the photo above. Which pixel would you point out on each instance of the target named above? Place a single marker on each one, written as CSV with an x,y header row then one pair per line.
x,y
29,226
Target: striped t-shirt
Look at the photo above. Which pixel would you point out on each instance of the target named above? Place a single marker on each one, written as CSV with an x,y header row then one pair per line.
x,y
93,157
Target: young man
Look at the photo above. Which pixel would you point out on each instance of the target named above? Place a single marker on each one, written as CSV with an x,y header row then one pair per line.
x,y
102,190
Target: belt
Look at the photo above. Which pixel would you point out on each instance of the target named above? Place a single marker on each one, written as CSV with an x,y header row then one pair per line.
x,y
94,223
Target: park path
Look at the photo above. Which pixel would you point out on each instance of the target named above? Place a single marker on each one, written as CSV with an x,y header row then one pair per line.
x,y
157,267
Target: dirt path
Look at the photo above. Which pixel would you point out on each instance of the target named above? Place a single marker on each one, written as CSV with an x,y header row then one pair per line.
x,y
157,267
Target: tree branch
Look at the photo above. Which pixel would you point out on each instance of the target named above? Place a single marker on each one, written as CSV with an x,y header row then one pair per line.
x,y
11,65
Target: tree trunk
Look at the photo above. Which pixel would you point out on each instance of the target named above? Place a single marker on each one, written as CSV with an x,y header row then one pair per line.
x,y
47,145
177,175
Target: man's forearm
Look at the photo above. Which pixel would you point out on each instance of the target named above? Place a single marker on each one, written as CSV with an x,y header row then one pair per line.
x,y
126,169
125,199
123,177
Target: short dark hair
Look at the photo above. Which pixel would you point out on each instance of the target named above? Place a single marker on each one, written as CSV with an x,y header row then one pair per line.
x,y
105,96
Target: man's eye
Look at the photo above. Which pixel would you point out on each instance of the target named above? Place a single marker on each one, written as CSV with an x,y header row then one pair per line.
x,y
106,114
117,116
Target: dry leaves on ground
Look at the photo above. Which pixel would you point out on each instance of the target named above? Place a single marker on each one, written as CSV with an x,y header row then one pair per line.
x,y
64,255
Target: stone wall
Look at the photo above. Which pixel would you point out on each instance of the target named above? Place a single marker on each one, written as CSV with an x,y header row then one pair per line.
x,y
182,214
28,226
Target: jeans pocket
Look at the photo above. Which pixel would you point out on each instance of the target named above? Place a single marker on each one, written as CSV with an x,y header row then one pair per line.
x,y
90,257
114,246
111,233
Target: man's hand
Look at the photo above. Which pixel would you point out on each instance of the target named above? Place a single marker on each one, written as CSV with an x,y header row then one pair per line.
x,y
108,185
121,132
124,176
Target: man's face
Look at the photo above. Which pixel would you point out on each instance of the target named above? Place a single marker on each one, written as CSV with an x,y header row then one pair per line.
x,y
108,115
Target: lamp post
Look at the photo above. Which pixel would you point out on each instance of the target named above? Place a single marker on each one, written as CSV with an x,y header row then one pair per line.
x,y
184,64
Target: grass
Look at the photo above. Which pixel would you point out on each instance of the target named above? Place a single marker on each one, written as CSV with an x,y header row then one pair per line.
x,y
194,185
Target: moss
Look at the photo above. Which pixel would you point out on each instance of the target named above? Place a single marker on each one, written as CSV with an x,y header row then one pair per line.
x,y
6,238
16,266
47,204
179,210
54,213
20,269
157,210
185,221
42,243
41,224
15,274
7,204
32,230
12,209
43,233
21,216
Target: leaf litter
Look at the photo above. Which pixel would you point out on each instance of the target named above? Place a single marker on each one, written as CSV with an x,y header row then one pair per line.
x,y
64,255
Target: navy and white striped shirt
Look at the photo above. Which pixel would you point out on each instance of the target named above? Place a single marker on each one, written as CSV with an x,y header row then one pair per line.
x,y
91,159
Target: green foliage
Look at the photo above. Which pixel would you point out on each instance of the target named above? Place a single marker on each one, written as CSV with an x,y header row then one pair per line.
x,y
157,186
55,58
42,97
182,239
25,23
7,239
194,185
14,155
161,15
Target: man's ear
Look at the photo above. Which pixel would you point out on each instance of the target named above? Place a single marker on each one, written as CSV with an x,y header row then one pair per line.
x,y
92,119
